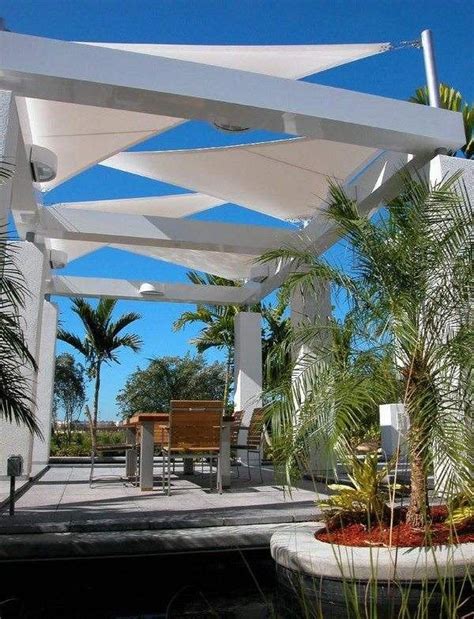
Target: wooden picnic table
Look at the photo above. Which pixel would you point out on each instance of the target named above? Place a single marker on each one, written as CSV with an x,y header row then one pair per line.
x,y
146,423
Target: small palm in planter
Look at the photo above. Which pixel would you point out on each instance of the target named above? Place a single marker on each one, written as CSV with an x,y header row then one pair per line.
x,y
407,292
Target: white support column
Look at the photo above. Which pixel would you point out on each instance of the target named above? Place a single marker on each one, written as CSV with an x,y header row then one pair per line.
x,y
9,130
32,263
248,372
394,426
248,363
313,307
45,385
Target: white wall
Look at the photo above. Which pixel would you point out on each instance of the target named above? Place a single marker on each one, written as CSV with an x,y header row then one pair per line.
x,y
45,385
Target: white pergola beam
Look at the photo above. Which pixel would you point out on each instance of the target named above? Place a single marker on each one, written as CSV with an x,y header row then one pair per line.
x,y
70,72
122,229
68,286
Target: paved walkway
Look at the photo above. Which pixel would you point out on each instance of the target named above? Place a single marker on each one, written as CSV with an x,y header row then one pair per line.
x,y
62,498
60,515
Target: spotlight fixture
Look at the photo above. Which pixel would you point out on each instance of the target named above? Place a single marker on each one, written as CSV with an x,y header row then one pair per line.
x,y
151,290
229,127
44,164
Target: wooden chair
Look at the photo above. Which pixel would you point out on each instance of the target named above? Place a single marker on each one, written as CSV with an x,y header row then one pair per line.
x,y
254,441
194,431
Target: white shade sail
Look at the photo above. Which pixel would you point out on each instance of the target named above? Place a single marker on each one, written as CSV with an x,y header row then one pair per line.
x,y
289,61
179,205
83,135
287,179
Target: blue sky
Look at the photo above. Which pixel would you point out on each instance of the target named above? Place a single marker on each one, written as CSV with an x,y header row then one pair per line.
x,y
252,22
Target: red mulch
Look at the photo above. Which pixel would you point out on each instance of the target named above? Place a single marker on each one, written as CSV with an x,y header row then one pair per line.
x,y
402,534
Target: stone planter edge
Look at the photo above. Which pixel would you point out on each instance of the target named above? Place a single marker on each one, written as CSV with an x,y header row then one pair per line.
x,y
296,549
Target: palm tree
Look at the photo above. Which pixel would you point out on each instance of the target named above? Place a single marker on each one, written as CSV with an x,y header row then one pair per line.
x,y
452,99
218,320
408,294
101,342
277,355
15,405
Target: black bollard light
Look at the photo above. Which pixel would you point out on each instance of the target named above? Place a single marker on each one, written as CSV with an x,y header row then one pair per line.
x,y
14,470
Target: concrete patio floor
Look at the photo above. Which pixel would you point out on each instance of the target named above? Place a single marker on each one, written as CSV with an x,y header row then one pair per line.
x,y
62,502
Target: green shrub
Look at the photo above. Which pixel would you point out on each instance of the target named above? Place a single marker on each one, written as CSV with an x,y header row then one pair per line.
x,y
80,444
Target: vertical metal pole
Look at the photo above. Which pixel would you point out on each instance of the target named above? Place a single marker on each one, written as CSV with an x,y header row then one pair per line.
x,y
430,68
12,495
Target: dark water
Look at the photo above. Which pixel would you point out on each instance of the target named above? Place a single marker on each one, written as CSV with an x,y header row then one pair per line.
x,y
237,585
230,584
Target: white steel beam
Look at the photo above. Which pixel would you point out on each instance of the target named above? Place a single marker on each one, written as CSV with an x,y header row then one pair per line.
x,y
68,286
121,229
71,72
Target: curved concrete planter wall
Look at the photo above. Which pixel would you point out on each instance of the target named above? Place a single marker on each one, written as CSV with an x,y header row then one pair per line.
x,y
322,571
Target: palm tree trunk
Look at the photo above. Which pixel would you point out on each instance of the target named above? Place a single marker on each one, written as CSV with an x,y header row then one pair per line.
x,y
95,411
418,509
227,378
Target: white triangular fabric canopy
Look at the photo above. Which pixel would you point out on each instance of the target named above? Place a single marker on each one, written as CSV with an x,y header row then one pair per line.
x,y
179,205
287,179
288,61
82,135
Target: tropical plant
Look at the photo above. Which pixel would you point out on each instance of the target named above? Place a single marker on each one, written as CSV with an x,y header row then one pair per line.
x,y
15,404
451,99
408,294
171,378
365,499
69,390
461,507
101,343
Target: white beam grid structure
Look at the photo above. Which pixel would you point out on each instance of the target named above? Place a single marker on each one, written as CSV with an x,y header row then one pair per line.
x,y
82,135
87,101
90,75
124,229
69,286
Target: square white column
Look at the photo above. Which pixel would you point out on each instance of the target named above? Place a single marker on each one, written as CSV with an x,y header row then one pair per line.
x,y
9,132
313,307
248,363
394,425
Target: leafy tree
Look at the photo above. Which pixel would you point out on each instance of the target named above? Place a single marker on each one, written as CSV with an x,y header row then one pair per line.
x,y
408,291
69,390
451,99
101,343
15,357
171,378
